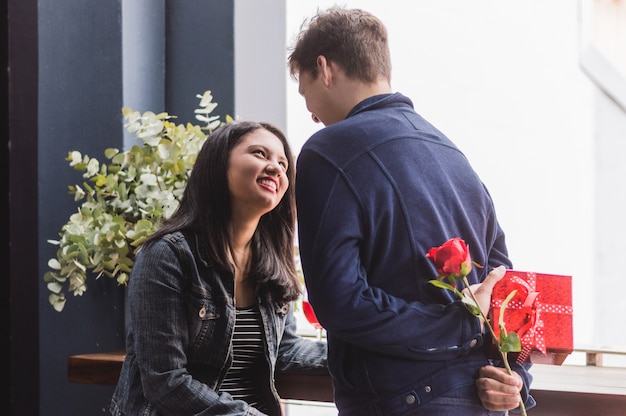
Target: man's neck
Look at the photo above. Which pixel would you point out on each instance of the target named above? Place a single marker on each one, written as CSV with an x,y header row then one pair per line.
x,y
353,92
381,86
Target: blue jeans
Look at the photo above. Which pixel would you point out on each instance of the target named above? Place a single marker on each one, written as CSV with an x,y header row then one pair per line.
x,y
463,401
459,402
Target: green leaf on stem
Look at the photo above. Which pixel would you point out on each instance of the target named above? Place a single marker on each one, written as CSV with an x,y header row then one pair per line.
x,y
510,343
443,285
471,306
504,305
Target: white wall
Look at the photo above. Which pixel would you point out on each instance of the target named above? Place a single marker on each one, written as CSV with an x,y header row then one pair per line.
x,y
603,58
502,80
260,42
610,199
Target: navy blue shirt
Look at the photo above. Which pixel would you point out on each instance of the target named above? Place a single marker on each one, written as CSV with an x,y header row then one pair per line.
x,y
374,193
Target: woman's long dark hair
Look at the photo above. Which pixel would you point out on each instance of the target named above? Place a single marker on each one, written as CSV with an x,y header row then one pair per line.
x,y
206,210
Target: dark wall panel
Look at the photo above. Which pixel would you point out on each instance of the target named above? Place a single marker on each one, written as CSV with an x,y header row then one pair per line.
x,y
199,56
22,197
66,90
80,100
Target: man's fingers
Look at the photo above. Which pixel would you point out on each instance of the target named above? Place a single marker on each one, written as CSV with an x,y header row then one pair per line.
x,y
502,376
492,278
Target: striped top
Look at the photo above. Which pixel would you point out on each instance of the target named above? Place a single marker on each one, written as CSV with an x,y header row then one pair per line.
x,y
248,350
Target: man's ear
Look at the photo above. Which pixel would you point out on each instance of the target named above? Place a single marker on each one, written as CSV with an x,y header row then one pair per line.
x,y
325,70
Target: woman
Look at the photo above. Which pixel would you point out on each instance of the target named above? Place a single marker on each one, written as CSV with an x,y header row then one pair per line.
x,y
211,291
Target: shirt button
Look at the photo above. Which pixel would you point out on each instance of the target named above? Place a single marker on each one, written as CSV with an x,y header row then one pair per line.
x,y
202,312
410,399
427,389
473,343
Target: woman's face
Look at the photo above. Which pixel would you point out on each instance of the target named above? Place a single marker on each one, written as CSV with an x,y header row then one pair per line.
x,y
257,174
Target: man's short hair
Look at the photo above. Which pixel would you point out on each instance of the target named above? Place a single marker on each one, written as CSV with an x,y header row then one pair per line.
x,y
352,38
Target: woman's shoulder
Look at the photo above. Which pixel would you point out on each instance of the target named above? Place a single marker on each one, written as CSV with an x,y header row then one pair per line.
x,y
180,247
174,241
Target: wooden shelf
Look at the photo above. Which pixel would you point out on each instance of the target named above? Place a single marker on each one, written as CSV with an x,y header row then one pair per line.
x,y
580,379
567,390
104,368
98,368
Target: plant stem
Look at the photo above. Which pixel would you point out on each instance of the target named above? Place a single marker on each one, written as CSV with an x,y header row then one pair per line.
x,y
493,334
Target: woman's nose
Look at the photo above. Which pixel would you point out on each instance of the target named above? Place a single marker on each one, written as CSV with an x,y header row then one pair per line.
x,y
275,167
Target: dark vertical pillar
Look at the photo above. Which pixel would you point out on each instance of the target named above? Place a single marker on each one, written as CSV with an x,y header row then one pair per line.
x,y
23,209
80,97
4,184
72,69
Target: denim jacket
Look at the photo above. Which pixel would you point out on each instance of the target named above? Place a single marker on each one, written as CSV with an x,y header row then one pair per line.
x,y
178,344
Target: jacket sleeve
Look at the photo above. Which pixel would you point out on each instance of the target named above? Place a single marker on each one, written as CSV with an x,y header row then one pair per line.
x,y
527,378
297,354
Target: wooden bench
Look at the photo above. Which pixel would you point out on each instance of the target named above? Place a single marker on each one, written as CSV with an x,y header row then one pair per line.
x,y
104,368
567,390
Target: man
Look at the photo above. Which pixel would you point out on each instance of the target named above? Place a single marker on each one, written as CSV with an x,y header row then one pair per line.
x,y
376,189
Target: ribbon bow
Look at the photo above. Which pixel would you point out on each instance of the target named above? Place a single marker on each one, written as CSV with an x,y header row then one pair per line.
x,y
524,312
531,332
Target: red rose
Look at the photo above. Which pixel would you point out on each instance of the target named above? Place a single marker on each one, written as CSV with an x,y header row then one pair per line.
x,y
453,262
452,258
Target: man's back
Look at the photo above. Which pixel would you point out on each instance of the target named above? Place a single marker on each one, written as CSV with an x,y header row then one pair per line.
x,y
374,193
376,189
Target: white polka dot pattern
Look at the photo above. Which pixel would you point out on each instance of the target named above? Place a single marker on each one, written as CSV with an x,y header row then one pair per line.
x,y
525,311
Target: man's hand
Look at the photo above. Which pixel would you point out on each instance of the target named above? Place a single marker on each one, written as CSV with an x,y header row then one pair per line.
x,y
482,291
497,389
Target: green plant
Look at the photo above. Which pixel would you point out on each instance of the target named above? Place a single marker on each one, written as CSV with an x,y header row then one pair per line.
x,y
125,199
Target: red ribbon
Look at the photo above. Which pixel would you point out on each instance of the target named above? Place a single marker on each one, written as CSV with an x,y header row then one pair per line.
x,y
531,334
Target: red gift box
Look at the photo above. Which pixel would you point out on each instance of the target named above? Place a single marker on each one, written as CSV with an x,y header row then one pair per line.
x,y
540,313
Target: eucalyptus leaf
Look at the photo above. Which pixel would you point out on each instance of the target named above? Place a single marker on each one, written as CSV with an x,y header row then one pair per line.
x,y
125,198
